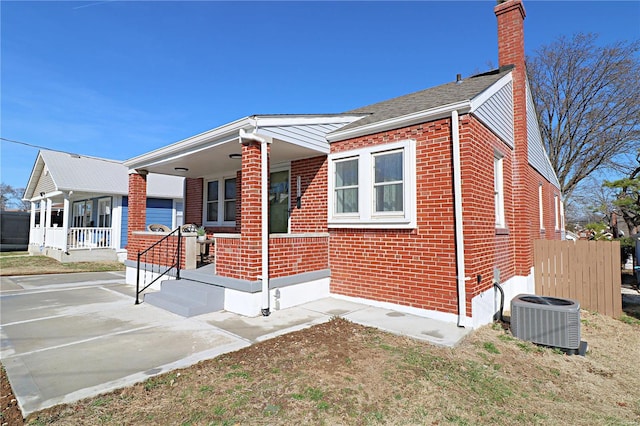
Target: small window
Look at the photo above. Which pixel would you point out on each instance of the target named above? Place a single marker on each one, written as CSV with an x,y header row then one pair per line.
x,y
388,182
346,192
498,191
556,208
220,202
230,200
212,201
541,206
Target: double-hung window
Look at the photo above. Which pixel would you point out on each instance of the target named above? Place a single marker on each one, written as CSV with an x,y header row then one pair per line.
x,y
220,202
373,187
346,188
498,190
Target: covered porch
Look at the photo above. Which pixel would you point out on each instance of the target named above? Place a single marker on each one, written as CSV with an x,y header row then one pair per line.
x,y
74,227
258,186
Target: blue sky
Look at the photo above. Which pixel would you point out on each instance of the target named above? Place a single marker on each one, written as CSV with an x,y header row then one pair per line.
x,y
116,79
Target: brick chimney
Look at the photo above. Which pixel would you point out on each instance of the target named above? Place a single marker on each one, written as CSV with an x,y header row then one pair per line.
x,y
510,15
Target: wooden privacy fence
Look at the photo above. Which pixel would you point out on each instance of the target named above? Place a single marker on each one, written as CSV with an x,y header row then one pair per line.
x,y
586,271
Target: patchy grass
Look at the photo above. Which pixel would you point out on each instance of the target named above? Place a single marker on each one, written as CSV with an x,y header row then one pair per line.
x,y
37,265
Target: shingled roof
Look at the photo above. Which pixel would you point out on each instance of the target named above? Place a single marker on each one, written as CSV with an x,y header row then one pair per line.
x,y
427,99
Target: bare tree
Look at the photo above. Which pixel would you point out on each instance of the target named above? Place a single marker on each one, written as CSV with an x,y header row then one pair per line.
x,y
627,199
11,197
588,102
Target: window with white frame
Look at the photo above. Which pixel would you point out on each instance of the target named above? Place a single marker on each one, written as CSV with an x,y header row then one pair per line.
x,y
556,208
373,186
541,206
346,186
220,202
498,188
104,212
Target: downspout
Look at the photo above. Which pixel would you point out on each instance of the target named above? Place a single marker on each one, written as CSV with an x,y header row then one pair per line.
x,y
463,320
264,195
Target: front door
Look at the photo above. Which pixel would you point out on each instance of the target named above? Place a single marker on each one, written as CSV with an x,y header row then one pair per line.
x,y
279,202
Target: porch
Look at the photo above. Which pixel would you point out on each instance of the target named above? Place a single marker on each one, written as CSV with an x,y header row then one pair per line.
x,y
179,282
75,244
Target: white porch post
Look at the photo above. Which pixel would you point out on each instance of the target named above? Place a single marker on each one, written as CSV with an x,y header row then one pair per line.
x,y
49,207
32,223
43,210
65,222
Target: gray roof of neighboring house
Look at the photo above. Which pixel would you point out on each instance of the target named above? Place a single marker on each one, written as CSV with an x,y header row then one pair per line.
x,y
79,173
424,100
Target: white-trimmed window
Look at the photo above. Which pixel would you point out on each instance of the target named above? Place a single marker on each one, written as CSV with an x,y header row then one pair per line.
x,y
220,202
104,212
541,206
346,186
556,208
498,189
373,187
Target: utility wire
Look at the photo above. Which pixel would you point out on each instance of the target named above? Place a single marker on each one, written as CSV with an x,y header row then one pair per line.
x,y
58,150
32,145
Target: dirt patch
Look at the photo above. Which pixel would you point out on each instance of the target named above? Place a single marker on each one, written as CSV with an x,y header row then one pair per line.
x,y
10,414
343,373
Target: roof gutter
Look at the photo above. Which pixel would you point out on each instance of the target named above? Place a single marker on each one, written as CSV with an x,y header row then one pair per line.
x,y
402,121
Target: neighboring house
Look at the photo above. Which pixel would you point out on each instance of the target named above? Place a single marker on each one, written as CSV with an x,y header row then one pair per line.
x,y
419,203
79,206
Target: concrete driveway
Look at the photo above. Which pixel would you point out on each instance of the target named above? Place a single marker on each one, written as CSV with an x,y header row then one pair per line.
x,y
71,336
67,337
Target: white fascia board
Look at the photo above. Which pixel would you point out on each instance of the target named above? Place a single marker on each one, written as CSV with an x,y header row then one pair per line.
x,y
490,91
38,168
298,120
402,121
191,144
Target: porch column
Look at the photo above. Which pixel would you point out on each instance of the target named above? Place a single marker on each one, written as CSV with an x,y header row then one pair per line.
x,y
43,212
137,215
32,223
65,221
49,208
251,213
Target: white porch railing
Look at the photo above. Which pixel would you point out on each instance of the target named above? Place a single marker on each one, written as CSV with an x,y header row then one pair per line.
x,y
54,237
89,238
36,236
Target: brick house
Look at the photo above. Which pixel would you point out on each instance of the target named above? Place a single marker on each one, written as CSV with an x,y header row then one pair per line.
x,y
419,203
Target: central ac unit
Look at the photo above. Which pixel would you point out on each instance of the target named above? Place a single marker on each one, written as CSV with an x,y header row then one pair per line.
x,y
547,321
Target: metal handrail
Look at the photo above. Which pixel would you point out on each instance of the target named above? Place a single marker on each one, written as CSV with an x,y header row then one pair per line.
x,y
175,265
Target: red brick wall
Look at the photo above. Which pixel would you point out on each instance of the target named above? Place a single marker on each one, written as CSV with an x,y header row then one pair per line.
x,y
229,261
485,247
417,267
137,210
290,256
250,231
414,267
162,254
312,216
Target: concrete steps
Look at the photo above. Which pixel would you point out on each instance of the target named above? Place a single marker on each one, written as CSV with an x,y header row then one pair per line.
x,y
187,298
